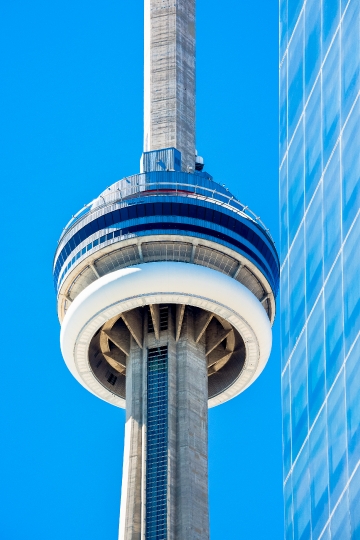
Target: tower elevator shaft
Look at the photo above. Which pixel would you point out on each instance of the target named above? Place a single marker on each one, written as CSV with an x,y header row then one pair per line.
x,y
165,477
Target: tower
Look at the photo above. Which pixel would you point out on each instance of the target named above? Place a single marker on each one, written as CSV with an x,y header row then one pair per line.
x,y
166,289
320,287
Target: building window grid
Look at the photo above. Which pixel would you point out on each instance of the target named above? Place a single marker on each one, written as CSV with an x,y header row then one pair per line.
x,y
325,278
339,255
311,427
157,444
324,405
338,30
343,366
338,143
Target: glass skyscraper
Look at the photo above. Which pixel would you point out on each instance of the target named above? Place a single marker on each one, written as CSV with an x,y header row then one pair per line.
x,y
320,266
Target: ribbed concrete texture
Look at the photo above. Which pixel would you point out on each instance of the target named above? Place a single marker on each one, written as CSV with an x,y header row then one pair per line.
x,y
192,519
169,94
130,512
186,479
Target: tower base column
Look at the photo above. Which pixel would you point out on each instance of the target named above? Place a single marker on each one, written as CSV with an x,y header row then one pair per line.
x,y
192,517
131,499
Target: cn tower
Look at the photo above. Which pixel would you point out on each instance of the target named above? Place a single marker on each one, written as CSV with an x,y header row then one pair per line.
x,y
166,287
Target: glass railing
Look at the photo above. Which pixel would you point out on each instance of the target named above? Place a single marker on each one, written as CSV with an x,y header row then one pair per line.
x,y
134,193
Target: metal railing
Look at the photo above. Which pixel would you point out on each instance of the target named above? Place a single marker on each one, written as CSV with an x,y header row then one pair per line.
x,y
125,195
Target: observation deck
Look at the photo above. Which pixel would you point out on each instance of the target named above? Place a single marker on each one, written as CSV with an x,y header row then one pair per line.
x,y
166,216
173,217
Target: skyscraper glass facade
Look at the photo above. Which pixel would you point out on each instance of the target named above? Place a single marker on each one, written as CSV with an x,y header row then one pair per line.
x,y
320,266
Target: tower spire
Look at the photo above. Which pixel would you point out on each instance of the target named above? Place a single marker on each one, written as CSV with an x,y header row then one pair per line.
x,y
169,78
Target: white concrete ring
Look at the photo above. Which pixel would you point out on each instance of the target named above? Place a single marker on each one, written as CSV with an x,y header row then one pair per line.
x,y
165,282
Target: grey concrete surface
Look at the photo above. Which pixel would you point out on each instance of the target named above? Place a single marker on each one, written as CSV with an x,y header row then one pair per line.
x,y
187,475
169,107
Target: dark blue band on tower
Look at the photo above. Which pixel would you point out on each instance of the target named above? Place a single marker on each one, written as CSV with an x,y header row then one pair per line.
x,y
199,213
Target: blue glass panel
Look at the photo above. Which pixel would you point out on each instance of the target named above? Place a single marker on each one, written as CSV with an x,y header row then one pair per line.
x,y
351,168
331,99
319,477
313,149
296,177
286,412
334,324
332,211
297,287
337,440
283,12
314,249
351,285
352,405
283,108
284,228
354,502
343,3
288,502
294,8
331,19
301,490
299,404
285,315
312,43
350,52
110,218
316,360
101,221
296,76
340,523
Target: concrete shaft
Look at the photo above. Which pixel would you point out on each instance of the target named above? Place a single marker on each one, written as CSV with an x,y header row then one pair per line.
x,y
169,72
192,519
131,511
186,484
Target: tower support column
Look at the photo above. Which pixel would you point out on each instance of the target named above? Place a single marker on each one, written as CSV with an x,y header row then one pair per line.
x,y
192,519
165,477
131,492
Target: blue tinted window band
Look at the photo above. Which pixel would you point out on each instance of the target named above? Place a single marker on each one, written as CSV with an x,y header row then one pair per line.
x,y
183,227
169,209
153,183
157,444
198,211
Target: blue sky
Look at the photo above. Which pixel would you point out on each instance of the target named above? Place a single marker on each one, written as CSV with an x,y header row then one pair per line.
x,y
71,102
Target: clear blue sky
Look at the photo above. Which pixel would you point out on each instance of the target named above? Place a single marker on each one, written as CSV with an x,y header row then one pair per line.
x,y
71,101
